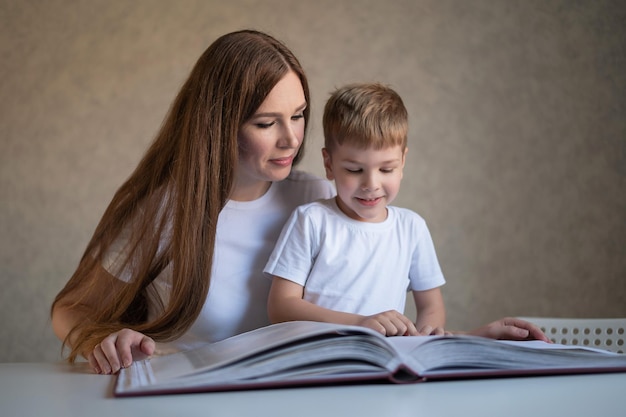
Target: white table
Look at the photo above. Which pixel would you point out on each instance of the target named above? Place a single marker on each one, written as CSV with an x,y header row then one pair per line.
x,y
49,390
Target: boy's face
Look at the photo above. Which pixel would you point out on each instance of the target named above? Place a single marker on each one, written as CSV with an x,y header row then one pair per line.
x,y
367,180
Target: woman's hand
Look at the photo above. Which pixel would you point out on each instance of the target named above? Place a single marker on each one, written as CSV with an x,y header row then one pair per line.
x,y
119,350
510,328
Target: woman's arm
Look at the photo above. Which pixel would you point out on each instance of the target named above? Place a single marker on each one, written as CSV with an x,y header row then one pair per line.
x,y
285,303
113,351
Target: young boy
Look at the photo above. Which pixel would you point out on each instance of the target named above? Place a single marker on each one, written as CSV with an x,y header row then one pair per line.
x,y
351,259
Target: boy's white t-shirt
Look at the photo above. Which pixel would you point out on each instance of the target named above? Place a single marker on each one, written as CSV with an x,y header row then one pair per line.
x,y
246,235
352,266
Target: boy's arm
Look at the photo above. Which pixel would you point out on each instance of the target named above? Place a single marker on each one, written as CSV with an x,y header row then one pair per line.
x,y
431,311
285,303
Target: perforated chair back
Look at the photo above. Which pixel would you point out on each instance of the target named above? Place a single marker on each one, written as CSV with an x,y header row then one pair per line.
x,y
608,334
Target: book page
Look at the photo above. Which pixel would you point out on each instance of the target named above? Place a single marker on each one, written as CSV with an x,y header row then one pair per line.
x,y
292,348
460,354
236,348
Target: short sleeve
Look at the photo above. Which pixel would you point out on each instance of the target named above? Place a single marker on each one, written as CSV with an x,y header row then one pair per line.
x,y
294,253
425,272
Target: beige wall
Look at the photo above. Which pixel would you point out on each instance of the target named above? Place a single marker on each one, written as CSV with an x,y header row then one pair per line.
x,y
517,146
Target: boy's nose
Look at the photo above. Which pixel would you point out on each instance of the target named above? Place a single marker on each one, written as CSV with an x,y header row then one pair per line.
x,y
370,183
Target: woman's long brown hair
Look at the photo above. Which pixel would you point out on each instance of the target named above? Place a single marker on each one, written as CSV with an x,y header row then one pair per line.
x,y
169,206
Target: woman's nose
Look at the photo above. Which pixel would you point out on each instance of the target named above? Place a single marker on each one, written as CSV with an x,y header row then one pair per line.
x,y
289,137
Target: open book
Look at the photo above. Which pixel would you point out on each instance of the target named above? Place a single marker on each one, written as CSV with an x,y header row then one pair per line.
x,y
310,353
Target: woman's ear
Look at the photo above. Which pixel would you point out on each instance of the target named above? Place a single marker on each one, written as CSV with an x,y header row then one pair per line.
x,y
328,164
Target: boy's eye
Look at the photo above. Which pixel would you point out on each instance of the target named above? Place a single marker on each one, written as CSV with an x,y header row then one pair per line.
x,y
386,170
353,170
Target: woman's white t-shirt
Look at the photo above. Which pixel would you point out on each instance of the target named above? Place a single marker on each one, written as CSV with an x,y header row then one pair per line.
x,y
246,235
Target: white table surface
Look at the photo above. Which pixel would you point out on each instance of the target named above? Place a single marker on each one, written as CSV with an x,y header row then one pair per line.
x,y
48,389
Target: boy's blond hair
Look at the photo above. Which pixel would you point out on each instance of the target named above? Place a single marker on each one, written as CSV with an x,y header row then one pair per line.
x,y
365,115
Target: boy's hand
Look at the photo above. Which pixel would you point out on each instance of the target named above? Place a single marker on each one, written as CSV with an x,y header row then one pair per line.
x,y
390,323
432,331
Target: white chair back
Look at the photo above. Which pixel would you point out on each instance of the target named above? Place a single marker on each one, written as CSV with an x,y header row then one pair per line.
x,y
608,334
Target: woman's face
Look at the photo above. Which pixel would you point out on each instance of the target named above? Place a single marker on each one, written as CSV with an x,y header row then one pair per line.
x,y
270,139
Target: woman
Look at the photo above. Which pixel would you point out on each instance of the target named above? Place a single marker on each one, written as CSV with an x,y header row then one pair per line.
x,y
178,255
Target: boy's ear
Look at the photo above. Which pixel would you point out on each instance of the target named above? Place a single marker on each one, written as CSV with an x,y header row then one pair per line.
x,y
327,164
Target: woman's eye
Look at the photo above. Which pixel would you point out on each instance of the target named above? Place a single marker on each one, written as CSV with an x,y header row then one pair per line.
x,y
387,170
264,125
297,117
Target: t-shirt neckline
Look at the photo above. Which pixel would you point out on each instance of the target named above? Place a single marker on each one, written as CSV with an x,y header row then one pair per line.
x,y
253,204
